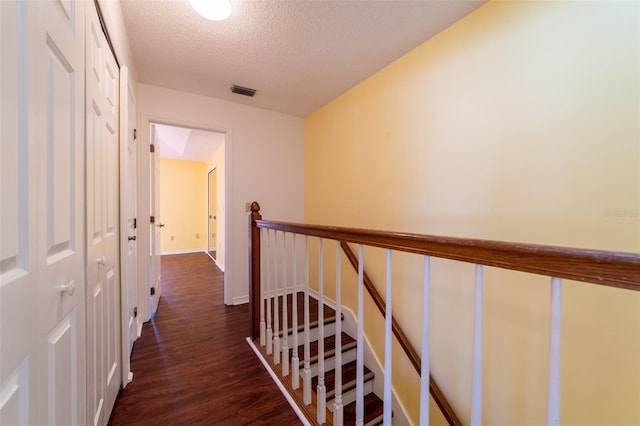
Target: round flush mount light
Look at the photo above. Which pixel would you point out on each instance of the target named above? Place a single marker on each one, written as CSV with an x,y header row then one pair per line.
x,y
215,10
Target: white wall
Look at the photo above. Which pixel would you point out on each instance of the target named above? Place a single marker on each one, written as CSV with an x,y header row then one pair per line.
x,y
264,162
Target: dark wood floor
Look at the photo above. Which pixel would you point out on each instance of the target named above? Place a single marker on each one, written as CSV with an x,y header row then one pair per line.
x,y
192,365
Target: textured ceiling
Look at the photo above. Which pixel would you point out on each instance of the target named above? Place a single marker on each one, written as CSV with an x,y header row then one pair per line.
x,y
180,143
297,54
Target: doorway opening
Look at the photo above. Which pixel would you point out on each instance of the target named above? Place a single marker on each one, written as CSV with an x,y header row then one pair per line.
x,y
199,146
191,165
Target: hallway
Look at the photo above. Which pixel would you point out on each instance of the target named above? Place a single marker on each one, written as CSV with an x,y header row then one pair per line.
x,y
192,364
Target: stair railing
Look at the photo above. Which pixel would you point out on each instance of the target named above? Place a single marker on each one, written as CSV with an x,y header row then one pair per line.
x,y
437,395
613,269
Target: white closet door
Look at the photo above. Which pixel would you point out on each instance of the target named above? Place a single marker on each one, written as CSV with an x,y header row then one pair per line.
x,y
103,287
42,280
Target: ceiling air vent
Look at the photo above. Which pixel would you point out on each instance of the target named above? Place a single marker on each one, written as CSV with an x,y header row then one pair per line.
x,y
245,91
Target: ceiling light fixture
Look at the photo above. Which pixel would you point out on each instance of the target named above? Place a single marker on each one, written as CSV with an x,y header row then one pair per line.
x,y
215,10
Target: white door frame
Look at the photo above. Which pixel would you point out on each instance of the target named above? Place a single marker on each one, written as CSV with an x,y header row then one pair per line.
x,y
144,185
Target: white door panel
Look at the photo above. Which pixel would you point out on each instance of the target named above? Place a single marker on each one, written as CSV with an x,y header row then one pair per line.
x,y
103,296
18,246
42,368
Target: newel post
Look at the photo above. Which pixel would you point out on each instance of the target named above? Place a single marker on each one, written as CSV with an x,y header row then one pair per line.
x,y
254,270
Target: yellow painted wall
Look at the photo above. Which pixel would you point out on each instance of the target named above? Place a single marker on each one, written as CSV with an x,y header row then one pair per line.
x,y
183,205
521,122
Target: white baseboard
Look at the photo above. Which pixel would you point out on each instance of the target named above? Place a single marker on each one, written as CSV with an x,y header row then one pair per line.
x,y
240,300
276,380
219,265
187,251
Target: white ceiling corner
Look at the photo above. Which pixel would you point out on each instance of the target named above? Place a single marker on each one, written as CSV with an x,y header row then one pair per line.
x,y
180,143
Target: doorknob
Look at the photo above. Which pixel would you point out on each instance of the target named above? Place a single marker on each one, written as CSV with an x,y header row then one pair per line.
x,y
132,238
68,288
161,225
101,260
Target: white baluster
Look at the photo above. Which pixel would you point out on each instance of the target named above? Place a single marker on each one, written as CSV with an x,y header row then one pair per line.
x,y
263,265
295,360
360,342
388,337
321,391
306,392
337,402
553,403
424,368
285,303
476,396
276,310
269,333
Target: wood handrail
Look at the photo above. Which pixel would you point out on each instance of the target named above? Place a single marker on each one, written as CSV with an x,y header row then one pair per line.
x,y
406,345
613,269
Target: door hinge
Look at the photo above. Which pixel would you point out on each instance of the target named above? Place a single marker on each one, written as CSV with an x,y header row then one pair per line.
x,y
152,219
152,148
135,223
153,291
135,134
135,312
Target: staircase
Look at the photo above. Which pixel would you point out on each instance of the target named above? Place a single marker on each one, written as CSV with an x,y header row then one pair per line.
x,y
373,406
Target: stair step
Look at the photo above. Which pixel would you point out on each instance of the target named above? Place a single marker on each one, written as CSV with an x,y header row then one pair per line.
x,y
373,410
329,330
373,404
346,341
313,309
329,345
348,379
349,347
348,383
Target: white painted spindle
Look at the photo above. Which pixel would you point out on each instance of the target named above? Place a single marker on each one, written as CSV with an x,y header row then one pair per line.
x,y
285,307
263,264
360,343
276,309
269,333
424,368
553,403
388,337
337,401
295,360
476,396
321,392
306,378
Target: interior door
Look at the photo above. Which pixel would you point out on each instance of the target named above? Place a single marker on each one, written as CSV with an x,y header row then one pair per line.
x,y
212,213
103,230
155,226
132,326
42,227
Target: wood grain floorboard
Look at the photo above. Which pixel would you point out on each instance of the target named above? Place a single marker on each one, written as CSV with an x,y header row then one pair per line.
x,y
192,365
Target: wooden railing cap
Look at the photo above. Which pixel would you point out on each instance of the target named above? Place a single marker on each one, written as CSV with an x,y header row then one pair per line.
x,y
608,268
